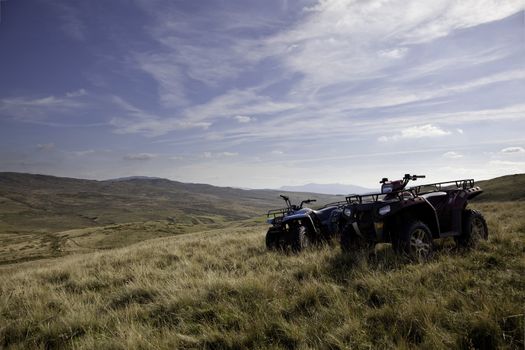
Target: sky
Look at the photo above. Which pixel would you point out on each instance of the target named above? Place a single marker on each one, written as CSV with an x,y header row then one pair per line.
x,y
261,94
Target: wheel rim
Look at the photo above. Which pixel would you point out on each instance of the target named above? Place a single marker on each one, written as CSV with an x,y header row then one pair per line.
x,y
304,241
419,244
477,230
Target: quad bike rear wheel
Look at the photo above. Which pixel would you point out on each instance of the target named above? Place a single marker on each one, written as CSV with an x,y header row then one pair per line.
x,y
474,229
299,238
415,241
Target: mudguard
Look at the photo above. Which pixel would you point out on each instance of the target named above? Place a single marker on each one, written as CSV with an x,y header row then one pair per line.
x,y
305,216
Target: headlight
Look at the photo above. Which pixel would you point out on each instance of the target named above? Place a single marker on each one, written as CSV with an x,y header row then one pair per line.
x,y
384,210
347,212
387,188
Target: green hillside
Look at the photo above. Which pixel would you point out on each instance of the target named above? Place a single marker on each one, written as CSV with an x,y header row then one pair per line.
x,y
46,216
504,188
30,203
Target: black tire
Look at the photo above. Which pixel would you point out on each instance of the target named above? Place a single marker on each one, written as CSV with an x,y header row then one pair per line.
x,y
299,238
351,242
273,237
474,229
414,241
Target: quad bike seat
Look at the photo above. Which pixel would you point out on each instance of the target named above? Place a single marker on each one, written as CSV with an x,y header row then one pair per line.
x,y
324,214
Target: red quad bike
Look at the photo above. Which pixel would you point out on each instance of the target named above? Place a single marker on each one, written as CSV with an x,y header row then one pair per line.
x,y
411,218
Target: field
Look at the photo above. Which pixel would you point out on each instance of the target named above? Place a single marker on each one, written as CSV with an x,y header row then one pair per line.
x,y
221,289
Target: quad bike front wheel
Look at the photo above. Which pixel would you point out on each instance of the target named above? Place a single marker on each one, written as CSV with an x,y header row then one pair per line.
x,y
474,229
351,242
299,238
273,238
415,241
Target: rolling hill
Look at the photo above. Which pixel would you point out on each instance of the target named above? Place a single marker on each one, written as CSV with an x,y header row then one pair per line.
x,y
504,188
44,203
45,216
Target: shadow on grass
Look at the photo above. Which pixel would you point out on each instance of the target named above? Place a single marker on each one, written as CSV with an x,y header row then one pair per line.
x,y
342,266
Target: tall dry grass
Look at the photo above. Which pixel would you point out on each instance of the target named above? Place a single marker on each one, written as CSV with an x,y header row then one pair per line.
x,y
222,290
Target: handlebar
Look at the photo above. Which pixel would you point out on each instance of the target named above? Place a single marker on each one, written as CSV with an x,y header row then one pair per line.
x,y
409,177
307,201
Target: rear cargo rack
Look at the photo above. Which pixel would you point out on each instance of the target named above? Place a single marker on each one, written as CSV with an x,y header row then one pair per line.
x,y
439,186
416,190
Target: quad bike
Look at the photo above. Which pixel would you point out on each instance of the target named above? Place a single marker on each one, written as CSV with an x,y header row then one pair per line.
x,y
297,227
411,218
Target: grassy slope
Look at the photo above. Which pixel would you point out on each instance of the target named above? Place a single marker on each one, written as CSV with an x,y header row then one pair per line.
x,y
222,289
504,188
45,216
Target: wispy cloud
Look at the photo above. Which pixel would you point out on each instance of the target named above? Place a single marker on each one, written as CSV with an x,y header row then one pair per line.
x,y
45,146
210,155
452,155
417,132
140,156
72,24
37,109
513,150
243,118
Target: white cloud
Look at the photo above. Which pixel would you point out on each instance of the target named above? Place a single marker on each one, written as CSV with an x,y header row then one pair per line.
x,y
45,146
394,53
508,167
82,153
452,155
344,35
513,150
210,155
140,156
416,132
398,95
169,77
237,102
72,25
229,154
136,120
39,109
243,119
77,93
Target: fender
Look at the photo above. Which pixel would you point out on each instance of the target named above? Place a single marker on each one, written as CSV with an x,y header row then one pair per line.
x,y
417,208
306,217
473,192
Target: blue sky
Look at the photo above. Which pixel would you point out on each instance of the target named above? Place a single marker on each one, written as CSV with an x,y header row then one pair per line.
x,y
262,94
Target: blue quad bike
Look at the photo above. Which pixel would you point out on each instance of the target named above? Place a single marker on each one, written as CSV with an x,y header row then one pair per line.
x,y
297,227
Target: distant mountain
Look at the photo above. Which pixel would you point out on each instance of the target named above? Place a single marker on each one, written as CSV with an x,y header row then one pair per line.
x,y
333,189
135,178
30,202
